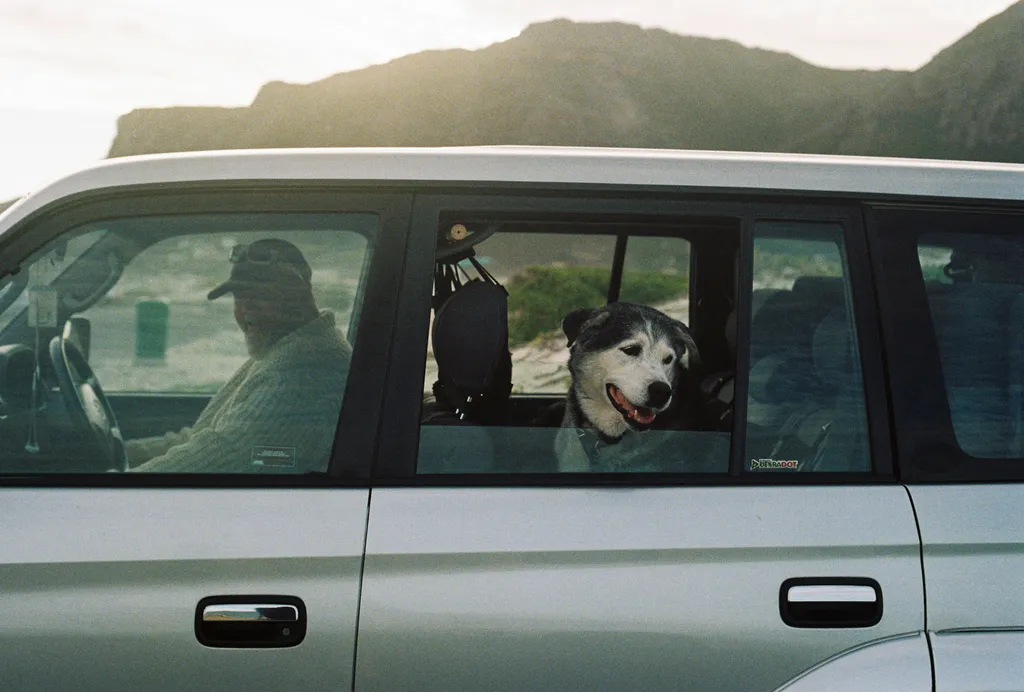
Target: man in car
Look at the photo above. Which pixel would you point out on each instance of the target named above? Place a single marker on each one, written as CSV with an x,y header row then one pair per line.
x,y
279,411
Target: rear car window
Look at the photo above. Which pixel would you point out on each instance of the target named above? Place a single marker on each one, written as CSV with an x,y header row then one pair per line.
x,y
975,289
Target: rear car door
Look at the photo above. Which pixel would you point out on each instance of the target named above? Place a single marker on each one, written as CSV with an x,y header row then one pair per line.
x,y
954,327
179,513
753,539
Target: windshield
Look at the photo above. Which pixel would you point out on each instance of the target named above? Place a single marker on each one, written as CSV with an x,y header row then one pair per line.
x,y
41,270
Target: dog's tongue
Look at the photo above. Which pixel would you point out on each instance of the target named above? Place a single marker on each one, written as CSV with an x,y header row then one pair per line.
x,y
644,416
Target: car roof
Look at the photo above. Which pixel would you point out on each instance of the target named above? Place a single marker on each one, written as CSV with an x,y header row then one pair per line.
x,y
652,168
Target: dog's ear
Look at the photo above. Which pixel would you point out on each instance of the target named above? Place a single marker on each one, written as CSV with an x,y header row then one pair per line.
x,y
584,318
683,332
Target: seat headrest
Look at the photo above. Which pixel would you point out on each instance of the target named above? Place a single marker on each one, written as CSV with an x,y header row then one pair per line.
x,y
825,290
833,357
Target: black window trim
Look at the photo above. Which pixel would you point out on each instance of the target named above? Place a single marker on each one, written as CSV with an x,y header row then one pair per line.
x,y
355,438
396,460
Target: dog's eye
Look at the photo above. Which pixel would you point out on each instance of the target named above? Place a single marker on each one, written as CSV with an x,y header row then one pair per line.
x,y
668,359
633,350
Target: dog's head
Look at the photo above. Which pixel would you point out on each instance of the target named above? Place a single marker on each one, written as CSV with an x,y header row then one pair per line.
x,y
626,361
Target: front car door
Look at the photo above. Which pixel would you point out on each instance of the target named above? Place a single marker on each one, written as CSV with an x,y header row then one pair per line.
x,y
179,513
750,544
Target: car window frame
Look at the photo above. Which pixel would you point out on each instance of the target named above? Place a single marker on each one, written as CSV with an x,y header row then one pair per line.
x,y
350,462
395,464
924,439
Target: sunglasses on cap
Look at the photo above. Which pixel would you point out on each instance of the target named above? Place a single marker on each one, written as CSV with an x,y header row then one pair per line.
x,y
259,255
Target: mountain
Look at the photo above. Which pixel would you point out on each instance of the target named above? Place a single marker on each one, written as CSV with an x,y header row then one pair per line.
x,y
612,84
967,103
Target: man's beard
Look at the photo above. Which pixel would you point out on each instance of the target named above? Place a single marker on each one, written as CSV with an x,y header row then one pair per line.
x,y
259,344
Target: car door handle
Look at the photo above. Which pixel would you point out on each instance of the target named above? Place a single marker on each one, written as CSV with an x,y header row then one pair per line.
x,y
250,621
830,602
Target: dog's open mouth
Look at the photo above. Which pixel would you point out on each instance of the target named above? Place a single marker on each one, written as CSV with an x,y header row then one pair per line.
x,y
638,416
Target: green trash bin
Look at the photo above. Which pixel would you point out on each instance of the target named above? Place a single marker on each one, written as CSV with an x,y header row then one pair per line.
x,y
151,319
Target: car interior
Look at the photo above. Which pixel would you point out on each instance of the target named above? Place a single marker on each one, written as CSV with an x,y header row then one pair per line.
x,y
55,416
979,300
804,387
805,393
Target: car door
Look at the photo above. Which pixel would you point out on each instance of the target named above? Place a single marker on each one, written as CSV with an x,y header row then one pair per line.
x,y
228,555
759,539
955,335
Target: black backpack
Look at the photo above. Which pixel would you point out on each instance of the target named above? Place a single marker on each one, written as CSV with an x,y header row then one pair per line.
x,y
470,344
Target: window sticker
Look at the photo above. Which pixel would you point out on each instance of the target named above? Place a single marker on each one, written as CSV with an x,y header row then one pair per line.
x,y
277,457
774,464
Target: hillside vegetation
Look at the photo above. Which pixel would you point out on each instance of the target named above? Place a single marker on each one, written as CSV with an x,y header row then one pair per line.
x,y
610,84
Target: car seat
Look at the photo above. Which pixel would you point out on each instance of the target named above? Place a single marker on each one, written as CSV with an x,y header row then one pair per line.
x,y
974,328
836,432
785,385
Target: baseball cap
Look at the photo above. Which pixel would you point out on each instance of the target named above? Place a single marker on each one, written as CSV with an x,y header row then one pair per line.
x,y
266,267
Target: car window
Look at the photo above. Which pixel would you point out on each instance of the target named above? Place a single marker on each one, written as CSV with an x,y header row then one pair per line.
x,y
547,275
544,274
805,407
185,344
523,404
14,299
657,271
155,330
975,288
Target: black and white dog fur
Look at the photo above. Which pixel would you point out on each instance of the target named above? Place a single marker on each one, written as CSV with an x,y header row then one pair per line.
x,y
627,364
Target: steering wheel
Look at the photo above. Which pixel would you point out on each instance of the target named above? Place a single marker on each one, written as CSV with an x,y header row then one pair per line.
x,y
85,401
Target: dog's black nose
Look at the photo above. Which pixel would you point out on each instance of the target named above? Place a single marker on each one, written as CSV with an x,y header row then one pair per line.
x,y
658,394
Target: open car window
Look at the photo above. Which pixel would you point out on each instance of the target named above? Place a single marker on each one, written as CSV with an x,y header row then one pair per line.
x,y
521,351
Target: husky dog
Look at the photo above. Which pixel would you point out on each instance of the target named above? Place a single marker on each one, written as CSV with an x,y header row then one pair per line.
x,y
627,364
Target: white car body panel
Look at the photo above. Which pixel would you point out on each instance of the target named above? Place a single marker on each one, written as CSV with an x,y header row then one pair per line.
x,y
112,600
553,165
979,661
973,548
897,664
589,588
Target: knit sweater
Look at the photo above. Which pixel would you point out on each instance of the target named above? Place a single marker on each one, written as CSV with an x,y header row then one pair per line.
x,y
277,414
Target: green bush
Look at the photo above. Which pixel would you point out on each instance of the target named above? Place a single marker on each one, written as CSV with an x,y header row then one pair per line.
x,y
540,296
647,288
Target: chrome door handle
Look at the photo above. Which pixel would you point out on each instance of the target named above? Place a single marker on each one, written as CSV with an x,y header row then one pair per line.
x,y
250,621
832,593
250,612
830,602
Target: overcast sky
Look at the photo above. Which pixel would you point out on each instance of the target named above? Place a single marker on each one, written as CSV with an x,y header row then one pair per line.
x,y
68,68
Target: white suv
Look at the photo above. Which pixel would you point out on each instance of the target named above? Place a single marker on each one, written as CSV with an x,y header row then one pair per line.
x,y
249,439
